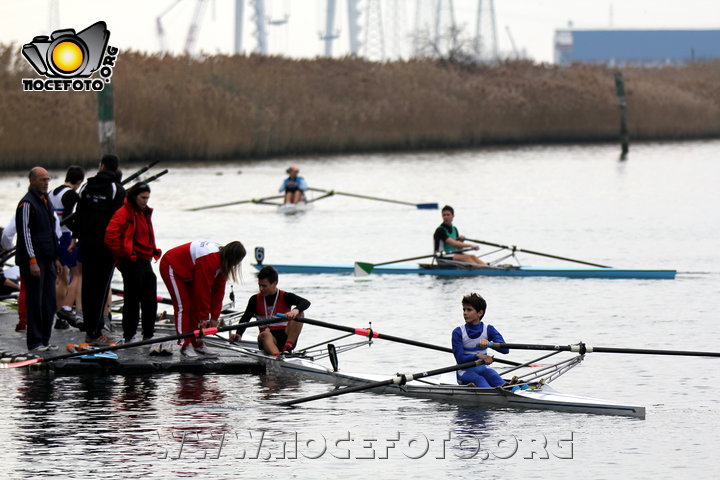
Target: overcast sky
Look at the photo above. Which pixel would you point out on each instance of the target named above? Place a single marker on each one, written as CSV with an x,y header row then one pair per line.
x,y
529,23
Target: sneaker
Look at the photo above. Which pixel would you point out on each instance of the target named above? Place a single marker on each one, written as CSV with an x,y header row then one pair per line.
x,y
203,350
61,324
188,351
50,347
68,316
20,327
156,349
38,349
101,341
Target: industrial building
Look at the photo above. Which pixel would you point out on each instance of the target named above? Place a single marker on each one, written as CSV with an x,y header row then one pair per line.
x,y
636,47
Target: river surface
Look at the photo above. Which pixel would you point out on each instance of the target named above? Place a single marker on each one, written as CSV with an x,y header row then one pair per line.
x,y
659,209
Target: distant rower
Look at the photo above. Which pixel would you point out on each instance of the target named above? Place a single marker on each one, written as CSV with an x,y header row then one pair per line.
x,y
294,186
447,239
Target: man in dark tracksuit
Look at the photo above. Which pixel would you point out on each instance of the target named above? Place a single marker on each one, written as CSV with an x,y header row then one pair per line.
x,y
99,199
37,257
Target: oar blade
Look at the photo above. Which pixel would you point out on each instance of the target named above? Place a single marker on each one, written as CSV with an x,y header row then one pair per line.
x,y
427,206
363,269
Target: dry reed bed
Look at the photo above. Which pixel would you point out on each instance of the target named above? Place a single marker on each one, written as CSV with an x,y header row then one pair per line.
x,y
240,106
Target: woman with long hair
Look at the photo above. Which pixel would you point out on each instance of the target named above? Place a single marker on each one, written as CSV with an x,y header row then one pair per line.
x,y
195,275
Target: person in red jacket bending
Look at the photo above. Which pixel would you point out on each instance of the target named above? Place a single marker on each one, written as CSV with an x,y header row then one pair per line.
x,y
195,274
131,240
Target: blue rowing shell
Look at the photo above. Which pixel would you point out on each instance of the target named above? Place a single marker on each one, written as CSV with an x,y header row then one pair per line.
x,y
504,271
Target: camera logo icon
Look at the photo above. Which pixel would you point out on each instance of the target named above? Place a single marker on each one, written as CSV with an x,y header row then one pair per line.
x,y
66,54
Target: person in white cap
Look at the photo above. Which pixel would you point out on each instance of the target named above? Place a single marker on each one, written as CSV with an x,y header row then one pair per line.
x,y
294,186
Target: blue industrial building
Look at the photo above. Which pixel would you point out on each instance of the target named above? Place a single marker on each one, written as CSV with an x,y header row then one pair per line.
x,y
636,47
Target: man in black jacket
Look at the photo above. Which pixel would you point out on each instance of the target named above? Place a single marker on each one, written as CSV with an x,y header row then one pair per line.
x,y
99,199
37,257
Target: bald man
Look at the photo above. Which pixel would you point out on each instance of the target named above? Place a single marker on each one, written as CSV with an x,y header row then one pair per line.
x,y
37,256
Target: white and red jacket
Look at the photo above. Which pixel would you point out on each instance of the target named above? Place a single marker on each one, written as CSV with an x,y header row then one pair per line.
x,y
198,265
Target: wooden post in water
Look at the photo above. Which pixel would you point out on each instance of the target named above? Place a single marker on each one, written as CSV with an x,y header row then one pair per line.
x,y
106,120
622,103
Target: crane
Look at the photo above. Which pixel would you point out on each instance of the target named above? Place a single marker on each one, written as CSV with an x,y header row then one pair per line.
x,y
192,35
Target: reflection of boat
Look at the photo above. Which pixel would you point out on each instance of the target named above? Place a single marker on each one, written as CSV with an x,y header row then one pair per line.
x,y
530,389
293,208
466,270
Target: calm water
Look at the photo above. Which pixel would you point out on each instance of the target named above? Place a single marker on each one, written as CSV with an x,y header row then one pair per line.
x,y
658,210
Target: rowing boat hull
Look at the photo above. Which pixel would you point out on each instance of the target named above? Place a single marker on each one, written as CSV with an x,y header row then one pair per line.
x,y
293,208
542,398
566,272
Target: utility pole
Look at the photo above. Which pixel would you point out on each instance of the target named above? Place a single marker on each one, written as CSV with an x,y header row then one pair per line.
x,y
374,44
330,33
354,26
260,33
239,17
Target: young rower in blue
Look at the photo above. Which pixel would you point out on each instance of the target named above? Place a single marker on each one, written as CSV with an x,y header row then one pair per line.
x,y
470,342
294,186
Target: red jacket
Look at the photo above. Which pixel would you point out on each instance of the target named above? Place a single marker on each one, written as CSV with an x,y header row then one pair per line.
x,y
198,265
121,231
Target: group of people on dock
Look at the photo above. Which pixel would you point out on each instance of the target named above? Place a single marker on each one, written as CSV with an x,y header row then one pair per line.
x,y
71,238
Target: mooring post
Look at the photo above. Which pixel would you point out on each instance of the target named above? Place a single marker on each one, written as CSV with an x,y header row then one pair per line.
x,y
622,103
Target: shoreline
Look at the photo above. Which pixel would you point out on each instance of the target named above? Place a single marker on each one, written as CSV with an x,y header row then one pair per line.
x,y
223,107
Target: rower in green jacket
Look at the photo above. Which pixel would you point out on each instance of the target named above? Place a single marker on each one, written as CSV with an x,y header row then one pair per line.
x,y
447,239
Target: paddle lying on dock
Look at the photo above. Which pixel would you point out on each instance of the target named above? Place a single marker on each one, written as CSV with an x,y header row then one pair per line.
x,y
398,379
370,333
364,268
420,206
514,249
202,332
263,201
582,349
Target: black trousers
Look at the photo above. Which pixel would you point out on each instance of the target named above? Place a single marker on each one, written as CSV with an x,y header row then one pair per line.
x,y
39,301
98,267
140,285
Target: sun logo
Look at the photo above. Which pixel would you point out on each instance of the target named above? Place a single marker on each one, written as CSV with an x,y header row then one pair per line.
x,y
67,57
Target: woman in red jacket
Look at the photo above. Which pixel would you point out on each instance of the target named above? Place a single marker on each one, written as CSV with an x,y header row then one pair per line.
x,y
131,239
195,274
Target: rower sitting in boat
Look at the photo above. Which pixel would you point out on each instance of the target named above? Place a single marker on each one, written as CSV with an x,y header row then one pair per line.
x,y
269,302
470,342
294,186
446,239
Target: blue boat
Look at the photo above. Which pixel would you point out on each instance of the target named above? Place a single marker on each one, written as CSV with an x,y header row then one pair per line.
x,y
491,271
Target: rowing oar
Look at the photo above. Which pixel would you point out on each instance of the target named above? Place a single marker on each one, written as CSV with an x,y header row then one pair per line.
x,y
156,176
251,200
167,301
420,206
364,268
582,349
202,332
370,333
514,249
139,172
398,379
